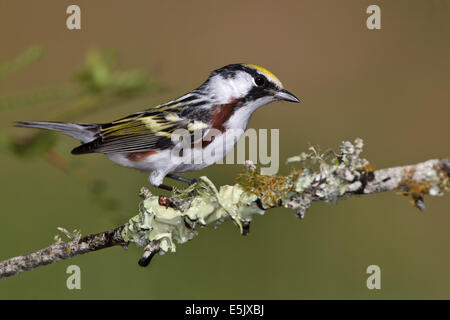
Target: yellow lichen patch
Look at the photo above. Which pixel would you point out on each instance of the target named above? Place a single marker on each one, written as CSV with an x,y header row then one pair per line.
x,y
367,168
295,173
269,188
444,180
410,187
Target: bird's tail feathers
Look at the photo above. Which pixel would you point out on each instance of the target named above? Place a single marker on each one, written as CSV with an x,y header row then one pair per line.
x,y
82,132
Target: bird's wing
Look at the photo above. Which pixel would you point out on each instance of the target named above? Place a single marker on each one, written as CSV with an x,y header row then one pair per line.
x,y
143,131
148,130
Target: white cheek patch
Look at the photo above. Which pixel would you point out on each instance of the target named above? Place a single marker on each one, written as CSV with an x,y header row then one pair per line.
x,y
227,89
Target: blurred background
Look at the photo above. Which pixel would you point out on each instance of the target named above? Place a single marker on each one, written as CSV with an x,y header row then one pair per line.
x,y
389,87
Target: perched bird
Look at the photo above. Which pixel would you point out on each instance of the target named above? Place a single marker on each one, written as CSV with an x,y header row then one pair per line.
x,y
145,140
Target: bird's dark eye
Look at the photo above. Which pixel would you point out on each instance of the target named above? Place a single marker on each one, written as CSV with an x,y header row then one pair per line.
x,y
260,81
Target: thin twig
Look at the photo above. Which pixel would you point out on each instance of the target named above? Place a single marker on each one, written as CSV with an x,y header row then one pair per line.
x,y
61,251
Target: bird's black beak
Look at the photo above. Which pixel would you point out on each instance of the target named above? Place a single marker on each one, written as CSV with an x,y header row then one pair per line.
x,y
285,95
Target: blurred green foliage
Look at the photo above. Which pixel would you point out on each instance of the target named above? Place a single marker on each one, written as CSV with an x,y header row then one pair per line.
x,y
34,146
21,60
99,76
97,83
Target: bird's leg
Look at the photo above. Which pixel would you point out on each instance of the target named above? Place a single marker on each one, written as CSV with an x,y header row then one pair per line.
x,y
165,187
156,178
182,179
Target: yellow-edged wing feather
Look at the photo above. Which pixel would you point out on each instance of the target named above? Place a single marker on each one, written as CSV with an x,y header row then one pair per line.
x,y
145,131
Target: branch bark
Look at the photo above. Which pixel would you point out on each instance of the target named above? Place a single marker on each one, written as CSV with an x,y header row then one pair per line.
x,y
162,221
61,251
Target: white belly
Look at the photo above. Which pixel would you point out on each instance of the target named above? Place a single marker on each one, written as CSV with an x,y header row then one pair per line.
x,y
167,161
198,158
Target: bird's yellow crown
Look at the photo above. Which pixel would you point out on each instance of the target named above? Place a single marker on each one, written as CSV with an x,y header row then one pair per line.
x,y
266,72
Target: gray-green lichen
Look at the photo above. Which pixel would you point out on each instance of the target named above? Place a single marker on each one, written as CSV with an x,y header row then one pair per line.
x,y
75,235
321,177
175,220
335,171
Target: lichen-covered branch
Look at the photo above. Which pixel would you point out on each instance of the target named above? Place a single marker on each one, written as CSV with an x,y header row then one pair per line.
x,y
61,251
163,221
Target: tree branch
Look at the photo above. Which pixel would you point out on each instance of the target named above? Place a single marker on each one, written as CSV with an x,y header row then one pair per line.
x,y
61,251
163,221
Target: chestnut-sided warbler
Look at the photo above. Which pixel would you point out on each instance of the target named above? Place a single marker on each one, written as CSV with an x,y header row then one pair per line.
x,y
145,140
